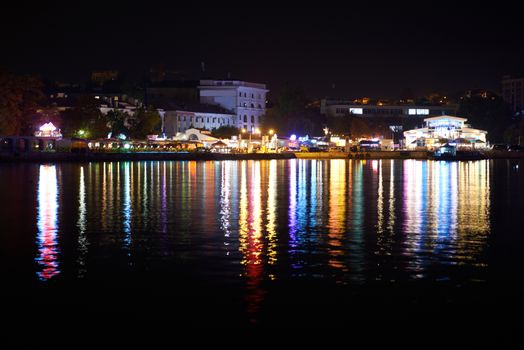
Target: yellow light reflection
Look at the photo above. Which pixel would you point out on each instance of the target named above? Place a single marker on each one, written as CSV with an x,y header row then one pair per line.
x,y
337,211
271,213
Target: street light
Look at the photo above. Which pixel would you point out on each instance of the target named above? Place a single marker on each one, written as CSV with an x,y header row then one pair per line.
x,y
271,132
242,131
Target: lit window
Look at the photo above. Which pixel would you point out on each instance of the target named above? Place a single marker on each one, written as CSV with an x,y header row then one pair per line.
x,y
423,111
412,111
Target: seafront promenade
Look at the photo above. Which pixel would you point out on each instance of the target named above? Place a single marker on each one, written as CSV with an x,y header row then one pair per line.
x,y
144,156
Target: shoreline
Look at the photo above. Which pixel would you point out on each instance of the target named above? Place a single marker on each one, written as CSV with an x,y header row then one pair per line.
x,y
152,156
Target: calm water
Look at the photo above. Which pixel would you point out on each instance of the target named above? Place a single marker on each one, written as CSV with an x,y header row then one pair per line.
x,y
280,242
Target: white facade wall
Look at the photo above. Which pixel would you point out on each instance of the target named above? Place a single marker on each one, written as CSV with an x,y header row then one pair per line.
x,y
180,121
246,100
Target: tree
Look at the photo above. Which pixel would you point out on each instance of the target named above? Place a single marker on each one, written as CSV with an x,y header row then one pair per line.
x,y
225,132
85,119
486,113
118,122
290,114
514,134
20,98
144,122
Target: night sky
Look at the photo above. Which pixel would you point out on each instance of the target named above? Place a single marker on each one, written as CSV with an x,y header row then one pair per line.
x,y
363,51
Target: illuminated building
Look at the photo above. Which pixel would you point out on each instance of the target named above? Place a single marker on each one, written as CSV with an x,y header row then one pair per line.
x,y
246,100
513,93
341,108
48,130
445,129
177,119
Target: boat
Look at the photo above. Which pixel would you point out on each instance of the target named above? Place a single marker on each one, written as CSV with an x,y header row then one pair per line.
x,y
450,152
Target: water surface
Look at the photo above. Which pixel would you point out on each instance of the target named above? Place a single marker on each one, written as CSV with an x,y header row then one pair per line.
x,y
277,242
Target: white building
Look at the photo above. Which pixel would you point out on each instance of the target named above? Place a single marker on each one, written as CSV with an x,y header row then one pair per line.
x,y
445,129
246,100
200,117
342,108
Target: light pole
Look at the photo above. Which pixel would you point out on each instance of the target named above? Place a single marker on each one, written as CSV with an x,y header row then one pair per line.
x,y
242,131
270,141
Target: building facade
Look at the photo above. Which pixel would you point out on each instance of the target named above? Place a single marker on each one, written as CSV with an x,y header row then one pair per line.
x,y
445,129
247,101
513,93
341,108
178,121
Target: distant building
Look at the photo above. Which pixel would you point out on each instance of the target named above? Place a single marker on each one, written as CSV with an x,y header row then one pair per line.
x,y
178,118
445,129
181,91
513,93
247,101
341,108
100,77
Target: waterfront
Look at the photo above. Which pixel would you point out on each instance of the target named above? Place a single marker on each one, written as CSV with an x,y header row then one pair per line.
x,y
272,242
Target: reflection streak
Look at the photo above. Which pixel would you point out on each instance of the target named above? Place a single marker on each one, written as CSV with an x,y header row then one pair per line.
x,y
47,241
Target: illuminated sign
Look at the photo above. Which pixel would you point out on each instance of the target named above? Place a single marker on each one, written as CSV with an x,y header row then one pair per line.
x,y
356,110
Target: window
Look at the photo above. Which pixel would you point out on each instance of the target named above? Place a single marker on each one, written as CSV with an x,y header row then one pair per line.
x,y
259,105
245,104
252,95
214,119
252,119
184,118
418,111
239,94
208,119
252,105
245,119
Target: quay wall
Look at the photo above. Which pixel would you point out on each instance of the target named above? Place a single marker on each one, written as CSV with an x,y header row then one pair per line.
x,y
143,156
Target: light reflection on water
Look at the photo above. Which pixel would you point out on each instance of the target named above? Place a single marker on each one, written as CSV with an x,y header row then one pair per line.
x,y
47,222
350,221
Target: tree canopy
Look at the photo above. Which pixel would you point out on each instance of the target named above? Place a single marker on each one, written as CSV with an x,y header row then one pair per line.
x,y
85,119
490,114
225,132
290,115
20,97
145,121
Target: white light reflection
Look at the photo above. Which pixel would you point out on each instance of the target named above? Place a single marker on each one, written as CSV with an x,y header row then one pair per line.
x,y
81,224
47,241
126,207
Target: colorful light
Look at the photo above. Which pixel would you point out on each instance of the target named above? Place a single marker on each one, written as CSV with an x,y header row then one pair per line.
x,y
47,127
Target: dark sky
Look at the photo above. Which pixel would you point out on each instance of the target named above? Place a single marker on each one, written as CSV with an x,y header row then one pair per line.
x,y
364,51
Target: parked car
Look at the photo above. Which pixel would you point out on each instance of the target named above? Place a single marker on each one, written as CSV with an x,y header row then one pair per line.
x,y
499,147
516,148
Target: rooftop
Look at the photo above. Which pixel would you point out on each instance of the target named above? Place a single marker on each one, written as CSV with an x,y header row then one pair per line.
x,y
192,107
208,83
